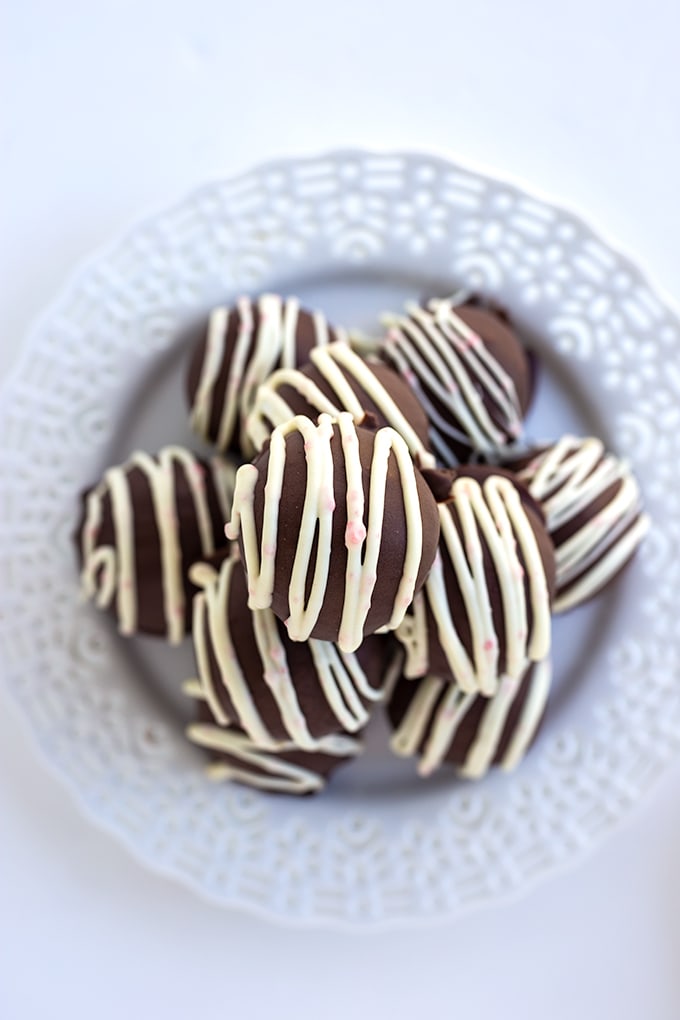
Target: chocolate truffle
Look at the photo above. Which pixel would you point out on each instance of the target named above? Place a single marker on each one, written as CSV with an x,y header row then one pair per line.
x,y
485,608
470,372
593,512
337,379
283,769
437,721
337,527
253,676
242,346
142,527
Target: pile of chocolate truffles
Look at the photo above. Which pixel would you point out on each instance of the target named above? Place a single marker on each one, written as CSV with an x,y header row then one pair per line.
x,y
373,533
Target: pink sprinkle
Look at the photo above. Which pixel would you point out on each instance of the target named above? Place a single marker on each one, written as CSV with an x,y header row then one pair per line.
x,y
519,571
355,533
127,585
308,445
489,645
269,551
452,388
393,334
330,505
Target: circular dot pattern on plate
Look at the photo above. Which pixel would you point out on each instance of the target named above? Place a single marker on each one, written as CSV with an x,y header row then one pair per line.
x,y
358,858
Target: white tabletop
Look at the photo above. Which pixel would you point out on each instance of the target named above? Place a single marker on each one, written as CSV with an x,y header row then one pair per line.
x,y
114,113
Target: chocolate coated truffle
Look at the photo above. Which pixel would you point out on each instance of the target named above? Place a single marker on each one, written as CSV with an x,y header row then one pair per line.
x,y
338,379
593,512
485,608
242,346
253,676
440,723
142,527
283,769
470,372
338,529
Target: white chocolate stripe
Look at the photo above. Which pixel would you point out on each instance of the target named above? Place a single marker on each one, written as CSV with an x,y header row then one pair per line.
x,y
412,630
200,411
341,678
363,542
112,570
532,712
212,631
229,411
265,769
604,569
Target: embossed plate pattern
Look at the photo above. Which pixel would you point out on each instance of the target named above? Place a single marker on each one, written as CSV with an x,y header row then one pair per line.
x,y
377,848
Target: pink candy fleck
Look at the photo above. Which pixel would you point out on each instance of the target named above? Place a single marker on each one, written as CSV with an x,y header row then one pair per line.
x,y
355,533
489,645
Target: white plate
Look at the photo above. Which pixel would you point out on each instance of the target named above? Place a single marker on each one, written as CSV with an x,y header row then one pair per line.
x,y
353,233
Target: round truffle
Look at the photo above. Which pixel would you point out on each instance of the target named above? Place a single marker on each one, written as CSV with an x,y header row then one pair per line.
x,y
485,609
440,723
469,371
337,527
141,529
284,769
253,676
242,346
338,379
593,511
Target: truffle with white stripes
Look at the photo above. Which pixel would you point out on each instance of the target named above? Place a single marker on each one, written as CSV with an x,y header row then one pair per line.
x,y
337,528
243,344
470,372
251,675
485,609
593,511
142,527
439,723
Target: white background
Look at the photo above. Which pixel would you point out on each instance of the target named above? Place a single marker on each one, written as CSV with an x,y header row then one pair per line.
x,y
109,114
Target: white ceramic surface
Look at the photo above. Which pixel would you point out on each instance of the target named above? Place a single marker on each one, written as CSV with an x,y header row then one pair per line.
x,y
354,233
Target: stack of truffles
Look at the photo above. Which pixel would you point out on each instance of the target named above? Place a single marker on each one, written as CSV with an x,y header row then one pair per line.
x,y
372,531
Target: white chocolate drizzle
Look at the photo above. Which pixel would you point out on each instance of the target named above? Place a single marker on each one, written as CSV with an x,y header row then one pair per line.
x,y
567,479
477,518
339,366
341,679
436,711
255,355
266,769
363,543
448,364
109,571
